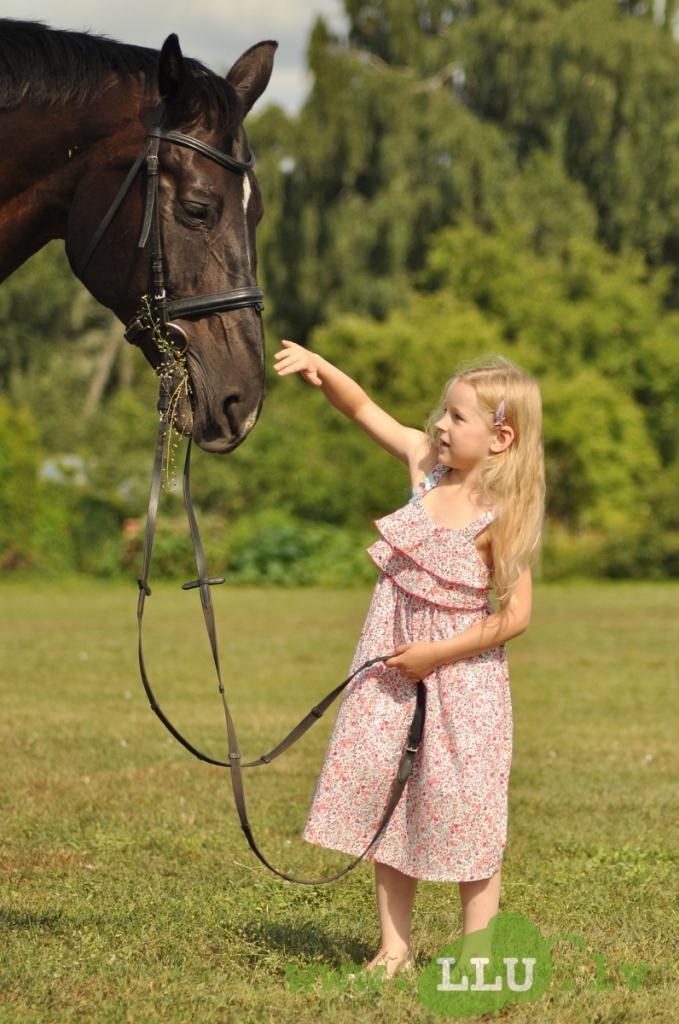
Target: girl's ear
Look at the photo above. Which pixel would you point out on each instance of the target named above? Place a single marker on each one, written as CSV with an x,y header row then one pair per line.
x,y
503,438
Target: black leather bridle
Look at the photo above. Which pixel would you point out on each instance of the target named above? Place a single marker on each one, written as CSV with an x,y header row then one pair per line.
x,y
161,312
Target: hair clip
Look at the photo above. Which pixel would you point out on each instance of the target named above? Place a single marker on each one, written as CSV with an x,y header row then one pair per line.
x,y
499,414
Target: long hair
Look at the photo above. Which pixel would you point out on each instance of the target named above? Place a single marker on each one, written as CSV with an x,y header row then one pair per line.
x,y
513,480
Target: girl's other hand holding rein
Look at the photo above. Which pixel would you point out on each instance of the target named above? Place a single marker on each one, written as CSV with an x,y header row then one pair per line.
x,y
415,661
293,358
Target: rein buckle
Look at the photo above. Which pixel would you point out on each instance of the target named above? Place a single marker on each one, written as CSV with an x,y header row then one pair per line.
x,y
192,584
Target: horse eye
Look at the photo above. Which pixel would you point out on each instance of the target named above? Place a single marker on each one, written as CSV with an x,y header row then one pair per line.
x,y
197,211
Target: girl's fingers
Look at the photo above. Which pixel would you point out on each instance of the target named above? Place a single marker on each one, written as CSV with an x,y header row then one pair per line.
x,y
290,364
283,370
294,366
293,358
295,361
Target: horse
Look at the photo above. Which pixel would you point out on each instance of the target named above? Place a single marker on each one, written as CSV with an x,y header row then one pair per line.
x,y
81,115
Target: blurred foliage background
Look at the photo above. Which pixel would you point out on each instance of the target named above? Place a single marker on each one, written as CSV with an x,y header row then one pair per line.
x,y
465,177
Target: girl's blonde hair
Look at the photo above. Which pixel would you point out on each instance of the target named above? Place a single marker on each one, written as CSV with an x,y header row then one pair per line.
x,y
513,480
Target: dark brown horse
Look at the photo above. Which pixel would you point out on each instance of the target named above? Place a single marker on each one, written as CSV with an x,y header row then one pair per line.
x,y
75,110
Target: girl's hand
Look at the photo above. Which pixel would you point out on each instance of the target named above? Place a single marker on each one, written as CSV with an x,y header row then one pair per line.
x,y
293,358
415,661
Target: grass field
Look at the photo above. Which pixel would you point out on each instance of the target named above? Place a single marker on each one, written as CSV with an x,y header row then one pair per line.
x,y
128,892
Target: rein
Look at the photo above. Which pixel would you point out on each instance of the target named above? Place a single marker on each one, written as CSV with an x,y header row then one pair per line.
x,y
162,311
203,582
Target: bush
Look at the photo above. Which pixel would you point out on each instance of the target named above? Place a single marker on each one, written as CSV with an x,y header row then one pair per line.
x,y
53,545
270,547
565,554
19,488
172,556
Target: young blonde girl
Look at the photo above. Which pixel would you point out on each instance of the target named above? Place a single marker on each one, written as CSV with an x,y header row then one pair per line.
x,y
475,519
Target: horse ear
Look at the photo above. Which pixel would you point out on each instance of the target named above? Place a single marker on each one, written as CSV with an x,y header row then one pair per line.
x,y
250,75
171,71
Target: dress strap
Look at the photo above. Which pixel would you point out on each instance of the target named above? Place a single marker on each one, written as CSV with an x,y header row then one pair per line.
x,y
429,481
480,522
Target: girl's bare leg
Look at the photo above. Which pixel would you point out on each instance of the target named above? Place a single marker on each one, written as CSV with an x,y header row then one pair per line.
x,y
395,897
480,902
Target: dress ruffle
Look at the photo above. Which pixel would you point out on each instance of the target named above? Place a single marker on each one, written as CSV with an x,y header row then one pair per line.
x,y
455,575
407,574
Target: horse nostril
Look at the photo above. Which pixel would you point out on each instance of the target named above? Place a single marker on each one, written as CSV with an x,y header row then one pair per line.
x,y
232,399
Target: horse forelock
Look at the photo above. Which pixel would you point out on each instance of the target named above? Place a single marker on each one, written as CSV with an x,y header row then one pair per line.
x,y
206,97
55,67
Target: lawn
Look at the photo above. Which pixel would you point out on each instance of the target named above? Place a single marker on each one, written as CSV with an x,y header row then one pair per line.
x,y
128,891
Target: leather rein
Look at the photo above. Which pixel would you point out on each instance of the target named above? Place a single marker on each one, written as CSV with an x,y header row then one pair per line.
x,y
162,312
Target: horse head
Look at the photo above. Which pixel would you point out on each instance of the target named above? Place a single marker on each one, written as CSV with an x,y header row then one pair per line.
x,y
207,214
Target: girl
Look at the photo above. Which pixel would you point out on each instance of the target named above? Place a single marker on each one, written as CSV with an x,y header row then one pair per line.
x,y
475,518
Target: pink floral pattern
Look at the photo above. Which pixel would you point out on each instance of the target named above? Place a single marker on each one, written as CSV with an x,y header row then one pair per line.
x,y
451,821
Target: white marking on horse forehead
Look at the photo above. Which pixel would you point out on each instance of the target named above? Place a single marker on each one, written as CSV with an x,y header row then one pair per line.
x,y
246,192
246,199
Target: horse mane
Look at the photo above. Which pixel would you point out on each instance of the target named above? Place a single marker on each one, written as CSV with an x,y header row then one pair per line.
x,y
52,67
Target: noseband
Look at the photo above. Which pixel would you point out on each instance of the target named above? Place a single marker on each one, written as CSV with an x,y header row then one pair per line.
x,y
162,311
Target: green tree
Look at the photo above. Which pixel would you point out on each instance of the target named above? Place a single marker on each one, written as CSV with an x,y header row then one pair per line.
x,y
377,161
597,87
579,307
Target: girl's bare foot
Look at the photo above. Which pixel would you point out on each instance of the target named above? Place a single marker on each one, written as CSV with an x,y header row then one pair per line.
x,y
391,961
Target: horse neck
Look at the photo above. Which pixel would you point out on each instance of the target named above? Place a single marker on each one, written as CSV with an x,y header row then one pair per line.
x,y
52,147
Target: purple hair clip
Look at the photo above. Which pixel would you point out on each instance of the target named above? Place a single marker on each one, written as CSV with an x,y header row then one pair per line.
x,y
499,414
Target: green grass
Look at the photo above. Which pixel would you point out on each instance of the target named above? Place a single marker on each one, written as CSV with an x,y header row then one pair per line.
x,y
128,892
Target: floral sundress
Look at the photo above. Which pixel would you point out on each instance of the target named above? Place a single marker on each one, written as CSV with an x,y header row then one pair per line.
x,y
451,821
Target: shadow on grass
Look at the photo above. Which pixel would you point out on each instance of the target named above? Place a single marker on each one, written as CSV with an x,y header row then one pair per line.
x,y
26,920
307,941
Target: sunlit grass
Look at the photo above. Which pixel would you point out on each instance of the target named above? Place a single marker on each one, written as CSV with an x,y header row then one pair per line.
x,y
127,889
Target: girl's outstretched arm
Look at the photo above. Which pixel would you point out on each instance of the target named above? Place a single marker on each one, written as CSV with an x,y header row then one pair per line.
x,y
347,396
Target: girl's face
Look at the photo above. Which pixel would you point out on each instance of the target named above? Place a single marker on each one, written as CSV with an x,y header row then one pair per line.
x,y
464,433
